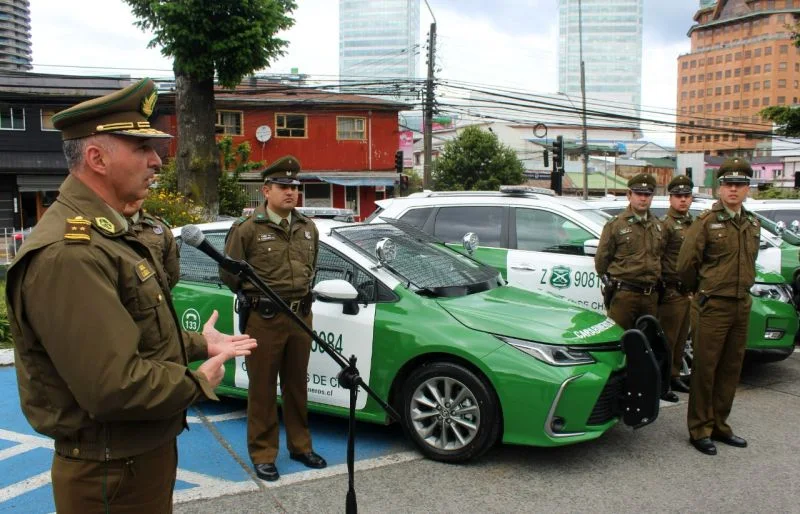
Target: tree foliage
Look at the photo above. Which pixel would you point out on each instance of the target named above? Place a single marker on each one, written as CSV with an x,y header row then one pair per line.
x,y
222,40
476,160
206,38
786,118
235,161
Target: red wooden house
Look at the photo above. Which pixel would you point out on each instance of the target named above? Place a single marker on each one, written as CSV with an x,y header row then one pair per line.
x,y
345,143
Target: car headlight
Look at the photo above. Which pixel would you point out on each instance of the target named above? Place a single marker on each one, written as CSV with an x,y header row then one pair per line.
x,y
551,354
779,292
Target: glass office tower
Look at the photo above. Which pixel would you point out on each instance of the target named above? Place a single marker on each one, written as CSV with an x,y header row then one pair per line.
x,y
612,53
378,39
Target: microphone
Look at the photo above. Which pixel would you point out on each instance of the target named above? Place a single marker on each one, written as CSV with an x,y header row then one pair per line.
x,y
193,236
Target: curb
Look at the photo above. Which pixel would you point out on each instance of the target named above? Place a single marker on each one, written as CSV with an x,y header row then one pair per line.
x,y
7,357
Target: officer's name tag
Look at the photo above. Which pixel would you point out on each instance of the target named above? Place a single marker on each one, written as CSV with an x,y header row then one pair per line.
x,y
143,270
716,225
678,227
625,231
266,237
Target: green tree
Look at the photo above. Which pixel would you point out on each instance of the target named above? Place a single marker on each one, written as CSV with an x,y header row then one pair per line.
x,y
785,117
232,196
210,39
476,160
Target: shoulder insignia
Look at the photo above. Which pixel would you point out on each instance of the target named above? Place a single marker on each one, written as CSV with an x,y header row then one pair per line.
x,y
78,230
241,220
703,214
143,270
105,225
658,227
163,221
261,218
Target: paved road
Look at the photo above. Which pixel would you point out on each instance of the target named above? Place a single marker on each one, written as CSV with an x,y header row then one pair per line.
x,y
653,469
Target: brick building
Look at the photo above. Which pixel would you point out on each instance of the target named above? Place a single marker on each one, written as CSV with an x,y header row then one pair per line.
x,y
742,60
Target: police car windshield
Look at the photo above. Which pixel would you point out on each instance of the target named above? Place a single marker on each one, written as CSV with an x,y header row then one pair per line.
x,y
597,216
427,266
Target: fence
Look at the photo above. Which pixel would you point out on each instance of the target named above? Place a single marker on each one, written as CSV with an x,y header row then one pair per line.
x,y
10,241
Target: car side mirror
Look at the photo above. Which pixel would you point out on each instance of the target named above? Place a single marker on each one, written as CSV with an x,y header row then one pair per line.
x,y
470,242
337,291
590,246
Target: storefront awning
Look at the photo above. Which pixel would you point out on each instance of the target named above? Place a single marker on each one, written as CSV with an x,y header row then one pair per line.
x,y
366,181
366,178
32,183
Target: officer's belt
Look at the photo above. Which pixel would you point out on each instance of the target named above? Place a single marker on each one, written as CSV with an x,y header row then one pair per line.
x,y
263,304
625,286
678,286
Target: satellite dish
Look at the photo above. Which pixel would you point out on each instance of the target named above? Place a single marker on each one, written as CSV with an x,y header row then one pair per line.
x,y
263,133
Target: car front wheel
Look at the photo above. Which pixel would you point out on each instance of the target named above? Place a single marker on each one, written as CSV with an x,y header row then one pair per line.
x,y
449,412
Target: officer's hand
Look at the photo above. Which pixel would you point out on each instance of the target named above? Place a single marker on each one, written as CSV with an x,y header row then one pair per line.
x,y
219,343
214,368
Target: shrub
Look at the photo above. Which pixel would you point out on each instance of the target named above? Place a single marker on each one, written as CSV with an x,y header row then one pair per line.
x,y
172,208
5,327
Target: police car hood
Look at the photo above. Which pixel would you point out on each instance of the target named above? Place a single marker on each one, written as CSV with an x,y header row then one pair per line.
x,y
512,312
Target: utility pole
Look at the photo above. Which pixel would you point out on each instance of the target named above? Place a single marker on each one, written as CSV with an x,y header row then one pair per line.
x,y
428,129
583,113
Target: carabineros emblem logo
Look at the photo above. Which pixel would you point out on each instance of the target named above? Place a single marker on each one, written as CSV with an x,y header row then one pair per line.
x,y
559,277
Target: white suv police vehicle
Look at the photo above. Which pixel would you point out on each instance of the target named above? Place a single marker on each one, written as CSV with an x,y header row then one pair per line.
x,y
547,243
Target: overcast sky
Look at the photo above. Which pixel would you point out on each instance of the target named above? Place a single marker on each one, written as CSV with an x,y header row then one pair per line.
x,y
511,43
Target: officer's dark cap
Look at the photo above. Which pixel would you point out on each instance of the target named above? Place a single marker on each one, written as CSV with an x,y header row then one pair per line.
x,y
123,113
642,183
680,185
736,170
282,171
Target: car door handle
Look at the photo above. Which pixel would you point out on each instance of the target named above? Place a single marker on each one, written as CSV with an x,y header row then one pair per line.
x,y
524,268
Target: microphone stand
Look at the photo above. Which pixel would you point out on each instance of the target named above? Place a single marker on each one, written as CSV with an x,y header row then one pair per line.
x,y
349,376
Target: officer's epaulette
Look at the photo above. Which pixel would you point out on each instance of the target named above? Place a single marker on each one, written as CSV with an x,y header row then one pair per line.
x,y
78,230
163,221
704,214
241,220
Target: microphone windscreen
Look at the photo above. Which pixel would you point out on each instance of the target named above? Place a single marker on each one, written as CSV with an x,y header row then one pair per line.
x,y
192,235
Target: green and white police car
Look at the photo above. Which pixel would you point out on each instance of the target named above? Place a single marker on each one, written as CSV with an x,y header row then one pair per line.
x,y
546,243
466,359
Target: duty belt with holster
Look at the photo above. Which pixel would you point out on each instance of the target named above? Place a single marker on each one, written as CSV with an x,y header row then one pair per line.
x,y
266,308
678,286
611,286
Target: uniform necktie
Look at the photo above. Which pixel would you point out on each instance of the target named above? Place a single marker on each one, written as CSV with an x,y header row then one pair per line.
x,y
736,219
284,224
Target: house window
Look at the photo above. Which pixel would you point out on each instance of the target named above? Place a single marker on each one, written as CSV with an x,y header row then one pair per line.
x,y
232,121
47,118
12,118
350,128
316,195
291,125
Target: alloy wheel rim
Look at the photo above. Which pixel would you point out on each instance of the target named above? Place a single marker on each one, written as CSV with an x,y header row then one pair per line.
x,y
445,413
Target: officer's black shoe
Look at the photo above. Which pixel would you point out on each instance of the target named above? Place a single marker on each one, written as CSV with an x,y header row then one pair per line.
x,y
669,396
676,384
310,459
732,440
267,472
704,445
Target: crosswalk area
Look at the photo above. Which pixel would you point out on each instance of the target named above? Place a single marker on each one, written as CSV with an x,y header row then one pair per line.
x,y
212,454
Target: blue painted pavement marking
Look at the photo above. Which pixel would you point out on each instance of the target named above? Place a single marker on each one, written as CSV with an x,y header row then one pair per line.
x,y
207,469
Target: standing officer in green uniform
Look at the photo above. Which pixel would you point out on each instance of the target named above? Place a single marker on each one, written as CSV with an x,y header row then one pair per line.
x,y
102,365
281,245
717,262
629,253
673,310
157,235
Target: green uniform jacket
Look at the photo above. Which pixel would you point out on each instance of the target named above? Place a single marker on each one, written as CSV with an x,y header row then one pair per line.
x,y
630,250
285,261
675,227
718,258
156,234
101,363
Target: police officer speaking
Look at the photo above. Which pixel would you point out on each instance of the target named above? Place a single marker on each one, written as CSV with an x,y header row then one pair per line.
x,y
101,364
629,256
717,262
673,309
281,245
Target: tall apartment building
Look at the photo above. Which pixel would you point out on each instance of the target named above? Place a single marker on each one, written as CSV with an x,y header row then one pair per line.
x,y
612,53
15,35
378,39
742,60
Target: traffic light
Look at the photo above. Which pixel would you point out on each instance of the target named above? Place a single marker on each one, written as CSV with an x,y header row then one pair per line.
x,y
546,158
398,161
558,153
